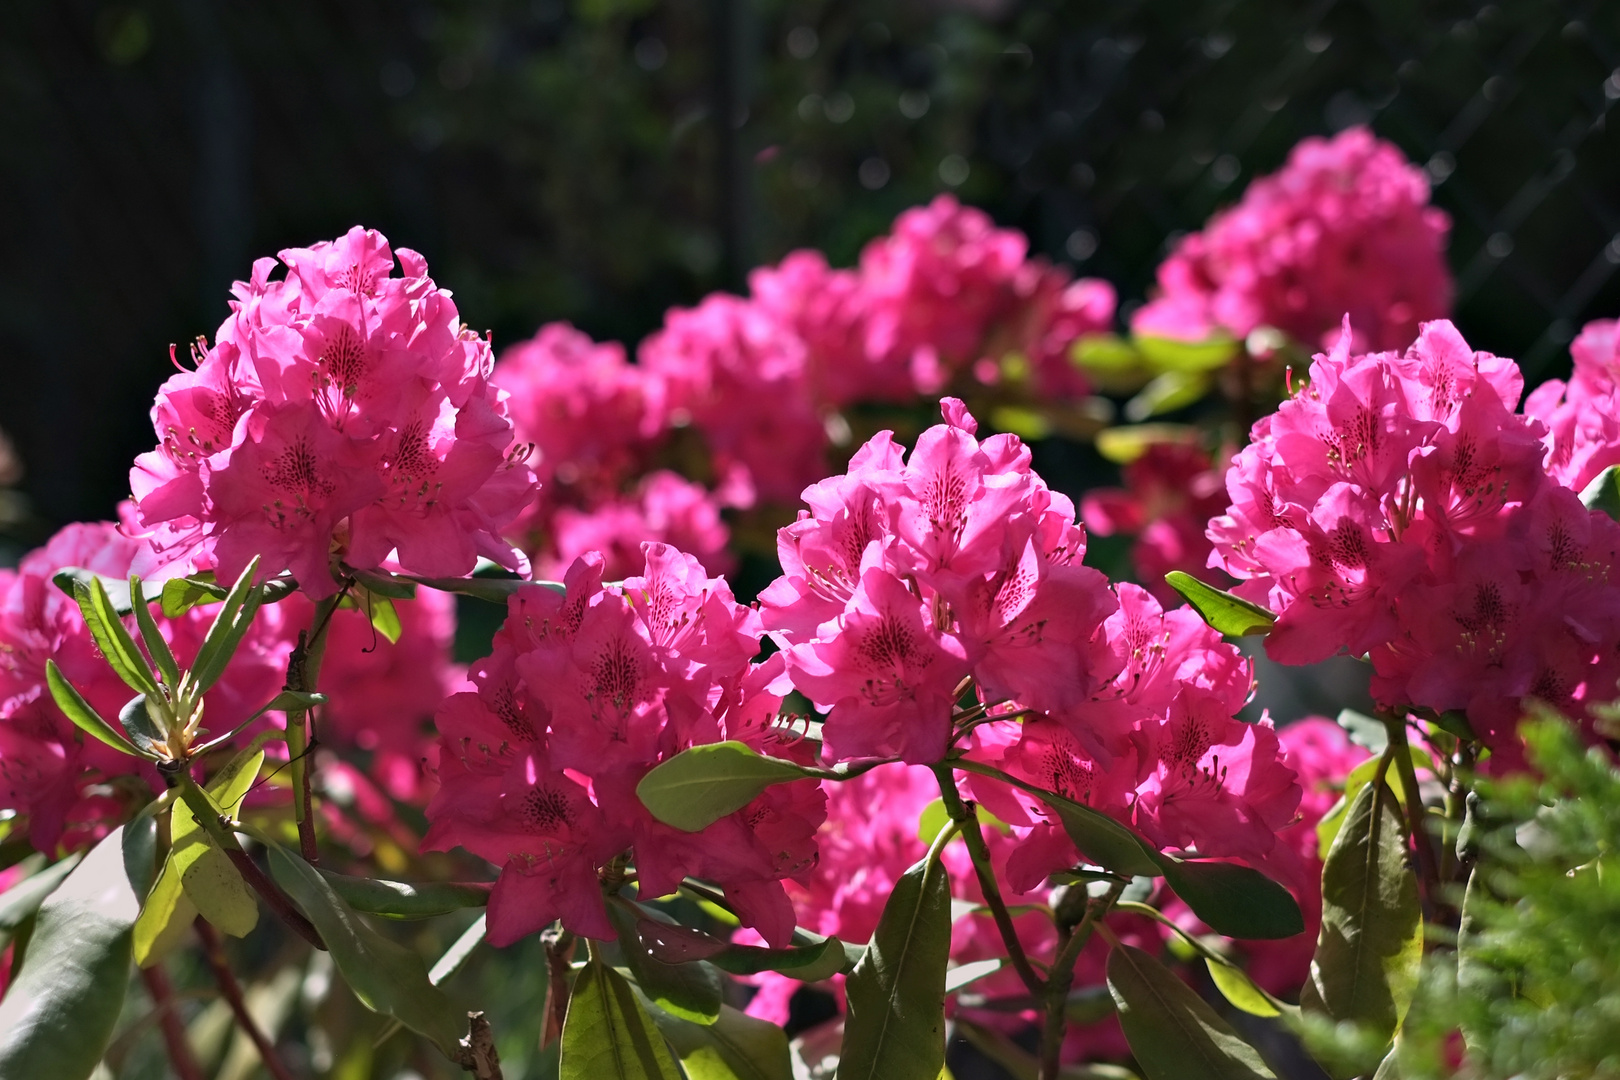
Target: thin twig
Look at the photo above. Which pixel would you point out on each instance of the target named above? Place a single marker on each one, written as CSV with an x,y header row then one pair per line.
x,y
559,955
304,673
175,1042
966,816
214,952
1422,842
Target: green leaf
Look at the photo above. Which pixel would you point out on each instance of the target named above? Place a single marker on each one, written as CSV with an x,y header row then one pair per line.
x,y
180,595
964,975
286,701
690,990
702,784
1170,354
404,899
1371,943
1102,839
1357,778
895,1025
1236,986
165,918
59,1012
21,902
1105,354
735,1047
672,944
607,1035
209,879
932,821
1028,424
1234,900
457,954
384,618
1166,393
1365,731
1123,445
1231,615
494,590
229,625
111,637
386,977
380,583
86,719
1603,493
1172,1032
143,730
156,647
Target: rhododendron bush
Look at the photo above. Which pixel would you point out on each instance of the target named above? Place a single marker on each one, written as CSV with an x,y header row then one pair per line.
x,y
938,781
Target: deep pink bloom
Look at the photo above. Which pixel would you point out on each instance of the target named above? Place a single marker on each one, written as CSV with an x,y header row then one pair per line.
x,y
1345,227
585,692
342,414
1583,415
664,508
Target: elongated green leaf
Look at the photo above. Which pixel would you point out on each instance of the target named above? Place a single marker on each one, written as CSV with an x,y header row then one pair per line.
x,y
967,974
494,590
230,624
1172,1032
1123,445
895,1026
387,978
691,990
21,902
607,1035
180,595
702,784
111,637
1102,839
71,578
1359,777
456,955
1236,986
1167,392
59,1011
165,919
735,1047
211,882
1371,943
286,701
384,618
86,719
1237,901
156,647
1603,493
1231,615
1170,354
138,721
1365,731
673,944
407,900
381,583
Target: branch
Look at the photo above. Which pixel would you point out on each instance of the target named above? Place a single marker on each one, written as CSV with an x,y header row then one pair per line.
x,y
214,952
174,1032
303,673
559,955
1062,978
1428,865
966,816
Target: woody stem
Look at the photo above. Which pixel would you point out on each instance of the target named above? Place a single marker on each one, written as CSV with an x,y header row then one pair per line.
x,y
303,673
965,814
1422,842
1061,978
214,953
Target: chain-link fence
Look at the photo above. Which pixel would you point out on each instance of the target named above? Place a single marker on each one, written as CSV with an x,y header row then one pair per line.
x,y
602,159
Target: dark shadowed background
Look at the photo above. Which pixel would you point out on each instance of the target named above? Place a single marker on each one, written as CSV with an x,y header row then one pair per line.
x,y
600,160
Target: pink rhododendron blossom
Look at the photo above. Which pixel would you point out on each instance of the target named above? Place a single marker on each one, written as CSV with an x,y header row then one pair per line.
x,y
739,376
341,414
1345,227
72,788
909,574
1170,494
1397,507
664,508
1583,415
584,693
947,289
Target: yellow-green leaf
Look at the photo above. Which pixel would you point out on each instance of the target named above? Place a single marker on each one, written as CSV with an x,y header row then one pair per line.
x,y
1236,986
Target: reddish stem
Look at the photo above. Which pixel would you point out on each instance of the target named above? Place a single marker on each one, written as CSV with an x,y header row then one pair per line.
x,y
274,898
214,951
174,1032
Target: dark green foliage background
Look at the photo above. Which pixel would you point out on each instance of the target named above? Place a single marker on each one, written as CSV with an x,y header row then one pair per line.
x,y
600,160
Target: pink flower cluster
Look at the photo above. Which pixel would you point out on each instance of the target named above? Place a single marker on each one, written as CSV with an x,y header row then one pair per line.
x,y
341,414
907,576
1344,227
1397,507
1583,415
910,579
1170,494
947,299
584,693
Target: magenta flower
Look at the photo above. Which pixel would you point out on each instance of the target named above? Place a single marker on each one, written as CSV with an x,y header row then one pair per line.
x,y
1345,227
1583,415
342,415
